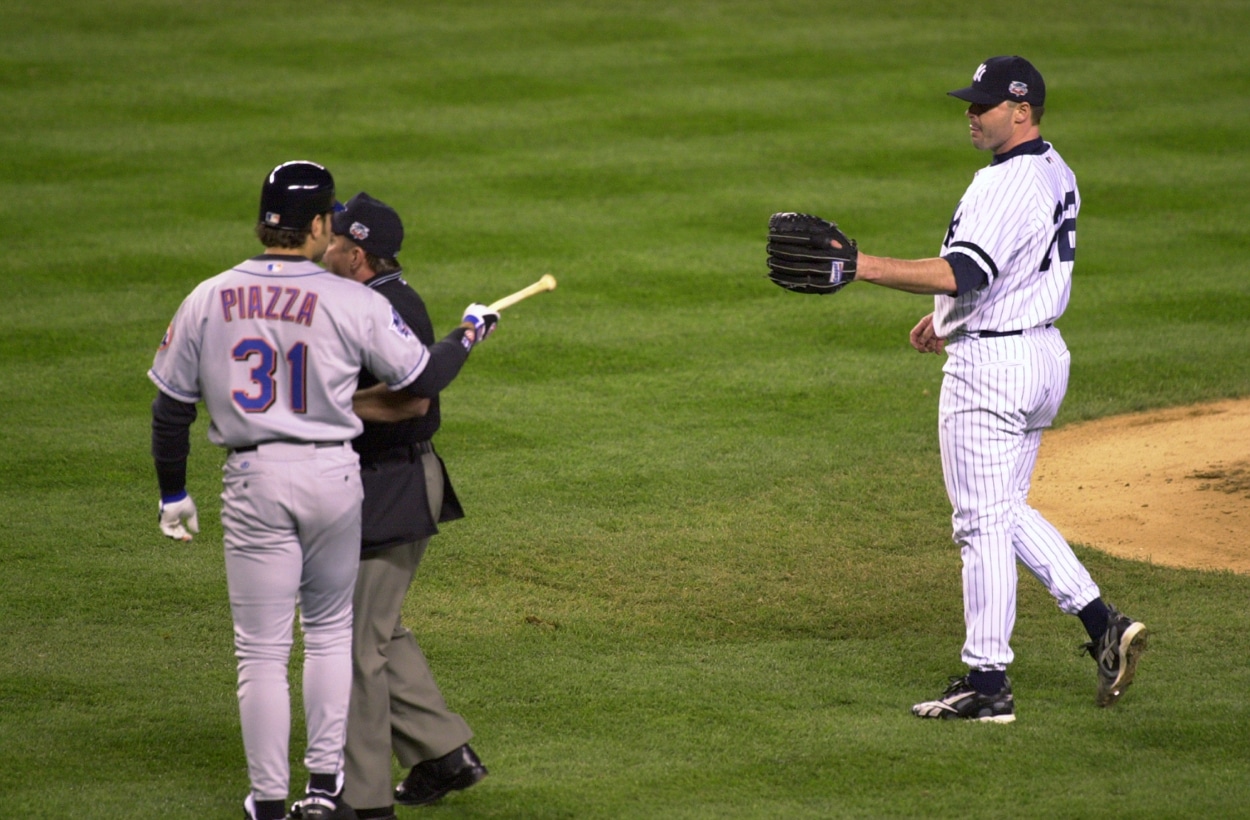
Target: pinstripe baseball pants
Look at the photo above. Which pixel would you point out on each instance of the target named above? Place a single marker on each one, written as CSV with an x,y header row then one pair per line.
x,y
998,395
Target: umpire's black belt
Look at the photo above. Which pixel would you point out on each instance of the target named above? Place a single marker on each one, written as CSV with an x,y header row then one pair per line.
x,y
995,334
403,452
251,448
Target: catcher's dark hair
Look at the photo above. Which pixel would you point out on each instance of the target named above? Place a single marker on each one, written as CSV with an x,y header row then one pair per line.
x,y
278,238
284,237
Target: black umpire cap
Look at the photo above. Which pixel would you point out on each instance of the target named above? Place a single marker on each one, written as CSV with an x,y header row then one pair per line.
x,y
294,193
371,224
1004,78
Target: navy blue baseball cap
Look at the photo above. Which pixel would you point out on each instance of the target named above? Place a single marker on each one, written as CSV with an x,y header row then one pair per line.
x,y
1004,78
294,193
371,224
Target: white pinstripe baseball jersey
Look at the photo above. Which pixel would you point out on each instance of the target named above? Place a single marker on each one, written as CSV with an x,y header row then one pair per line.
x,y
1017,223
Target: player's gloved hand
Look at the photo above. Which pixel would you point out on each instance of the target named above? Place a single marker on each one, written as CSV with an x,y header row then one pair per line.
x,y
807,254
483,320
179,517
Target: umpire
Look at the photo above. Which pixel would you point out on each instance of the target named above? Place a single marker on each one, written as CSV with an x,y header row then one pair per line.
x,y
395,703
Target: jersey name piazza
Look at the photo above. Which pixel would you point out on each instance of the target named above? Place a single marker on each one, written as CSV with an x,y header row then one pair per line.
x,y
272,302
274,347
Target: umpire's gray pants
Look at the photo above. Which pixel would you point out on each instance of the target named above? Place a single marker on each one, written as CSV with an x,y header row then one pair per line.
x,y
395,702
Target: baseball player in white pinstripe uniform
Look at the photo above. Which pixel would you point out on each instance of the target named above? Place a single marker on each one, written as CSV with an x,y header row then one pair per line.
x,y
273,347
1000,281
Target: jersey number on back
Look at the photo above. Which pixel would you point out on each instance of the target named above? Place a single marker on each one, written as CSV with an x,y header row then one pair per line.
x,y
261,396
1064,239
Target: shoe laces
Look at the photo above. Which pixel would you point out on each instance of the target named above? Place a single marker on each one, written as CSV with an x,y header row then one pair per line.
x,y
957,683
1106,650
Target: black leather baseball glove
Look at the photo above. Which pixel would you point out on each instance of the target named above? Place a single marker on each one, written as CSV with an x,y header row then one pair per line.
x,y
802,257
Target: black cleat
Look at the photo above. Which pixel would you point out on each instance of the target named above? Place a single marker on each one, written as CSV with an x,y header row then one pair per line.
x,y
961,702
266,809
321,806
1117,653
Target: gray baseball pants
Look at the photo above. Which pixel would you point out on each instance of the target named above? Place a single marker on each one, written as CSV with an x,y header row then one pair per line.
x,y
291,521
395,703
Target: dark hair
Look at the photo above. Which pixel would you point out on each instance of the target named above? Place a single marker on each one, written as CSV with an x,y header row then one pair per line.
x,y
284,237
1035,111
279,238
381,264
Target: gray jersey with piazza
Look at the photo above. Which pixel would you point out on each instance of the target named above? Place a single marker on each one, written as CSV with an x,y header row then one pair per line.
x,y
273,347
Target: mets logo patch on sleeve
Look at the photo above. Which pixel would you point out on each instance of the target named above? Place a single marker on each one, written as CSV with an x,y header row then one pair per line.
x,y
399,326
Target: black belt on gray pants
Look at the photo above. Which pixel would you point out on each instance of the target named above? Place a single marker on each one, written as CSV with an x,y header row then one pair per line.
x,y
994,334
251,448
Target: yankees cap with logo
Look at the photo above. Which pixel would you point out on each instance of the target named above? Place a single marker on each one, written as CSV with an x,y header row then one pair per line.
x,y
1004,78
371,224
295,192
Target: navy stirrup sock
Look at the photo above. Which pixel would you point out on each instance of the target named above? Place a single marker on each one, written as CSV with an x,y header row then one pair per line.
x,y
987,681
1096,617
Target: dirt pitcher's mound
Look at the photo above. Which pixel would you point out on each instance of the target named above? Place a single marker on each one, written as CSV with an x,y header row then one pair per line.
x,y
1168,486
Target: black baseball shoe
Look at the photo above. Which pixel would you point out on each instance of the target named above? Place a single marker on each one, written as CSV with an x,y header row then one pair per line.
x,y
430,780
380,813
267,809
1117,653
961,702
318,805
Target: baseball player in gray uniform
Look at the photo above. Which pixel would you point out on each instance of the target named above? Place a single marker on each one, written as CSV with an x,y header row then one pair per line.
x,y
396,706
1000,282
273,347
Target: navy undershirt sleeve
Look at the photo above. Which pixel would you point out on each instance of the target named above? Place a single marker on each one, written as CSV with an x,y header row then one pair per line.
x,y
968,274
446,358
171,441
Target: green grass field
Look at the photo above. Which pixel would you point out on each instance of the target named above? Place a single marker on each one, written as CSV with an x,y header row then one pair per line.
x,y
706,567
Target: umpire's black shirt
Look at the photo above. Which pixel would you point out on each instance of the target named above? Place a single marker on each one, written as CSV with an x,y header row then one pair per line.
x,y
378,440
396,506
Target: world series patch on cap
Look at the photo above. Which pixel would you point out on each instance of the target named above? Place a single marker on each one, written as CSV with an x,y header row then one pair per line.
x,y
371,224
1000,79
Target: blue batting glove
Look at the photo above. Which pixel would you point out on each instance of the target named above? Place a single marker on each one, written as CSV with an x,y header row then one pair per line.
x,y
483,320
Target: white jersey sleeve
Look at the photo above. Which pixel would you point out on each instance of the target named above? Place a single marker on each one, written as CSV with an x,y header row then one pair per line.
x,y
386,353
176,370
274,346
1017,223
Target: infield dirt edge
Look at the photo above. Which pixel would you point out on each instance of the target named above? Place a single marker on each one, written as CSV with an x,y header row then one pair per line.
x,y
1171,487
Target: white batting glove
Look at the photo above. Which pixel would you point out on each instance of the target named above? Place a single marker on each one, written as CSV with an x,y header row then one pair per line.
x,y
483,320
179,517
